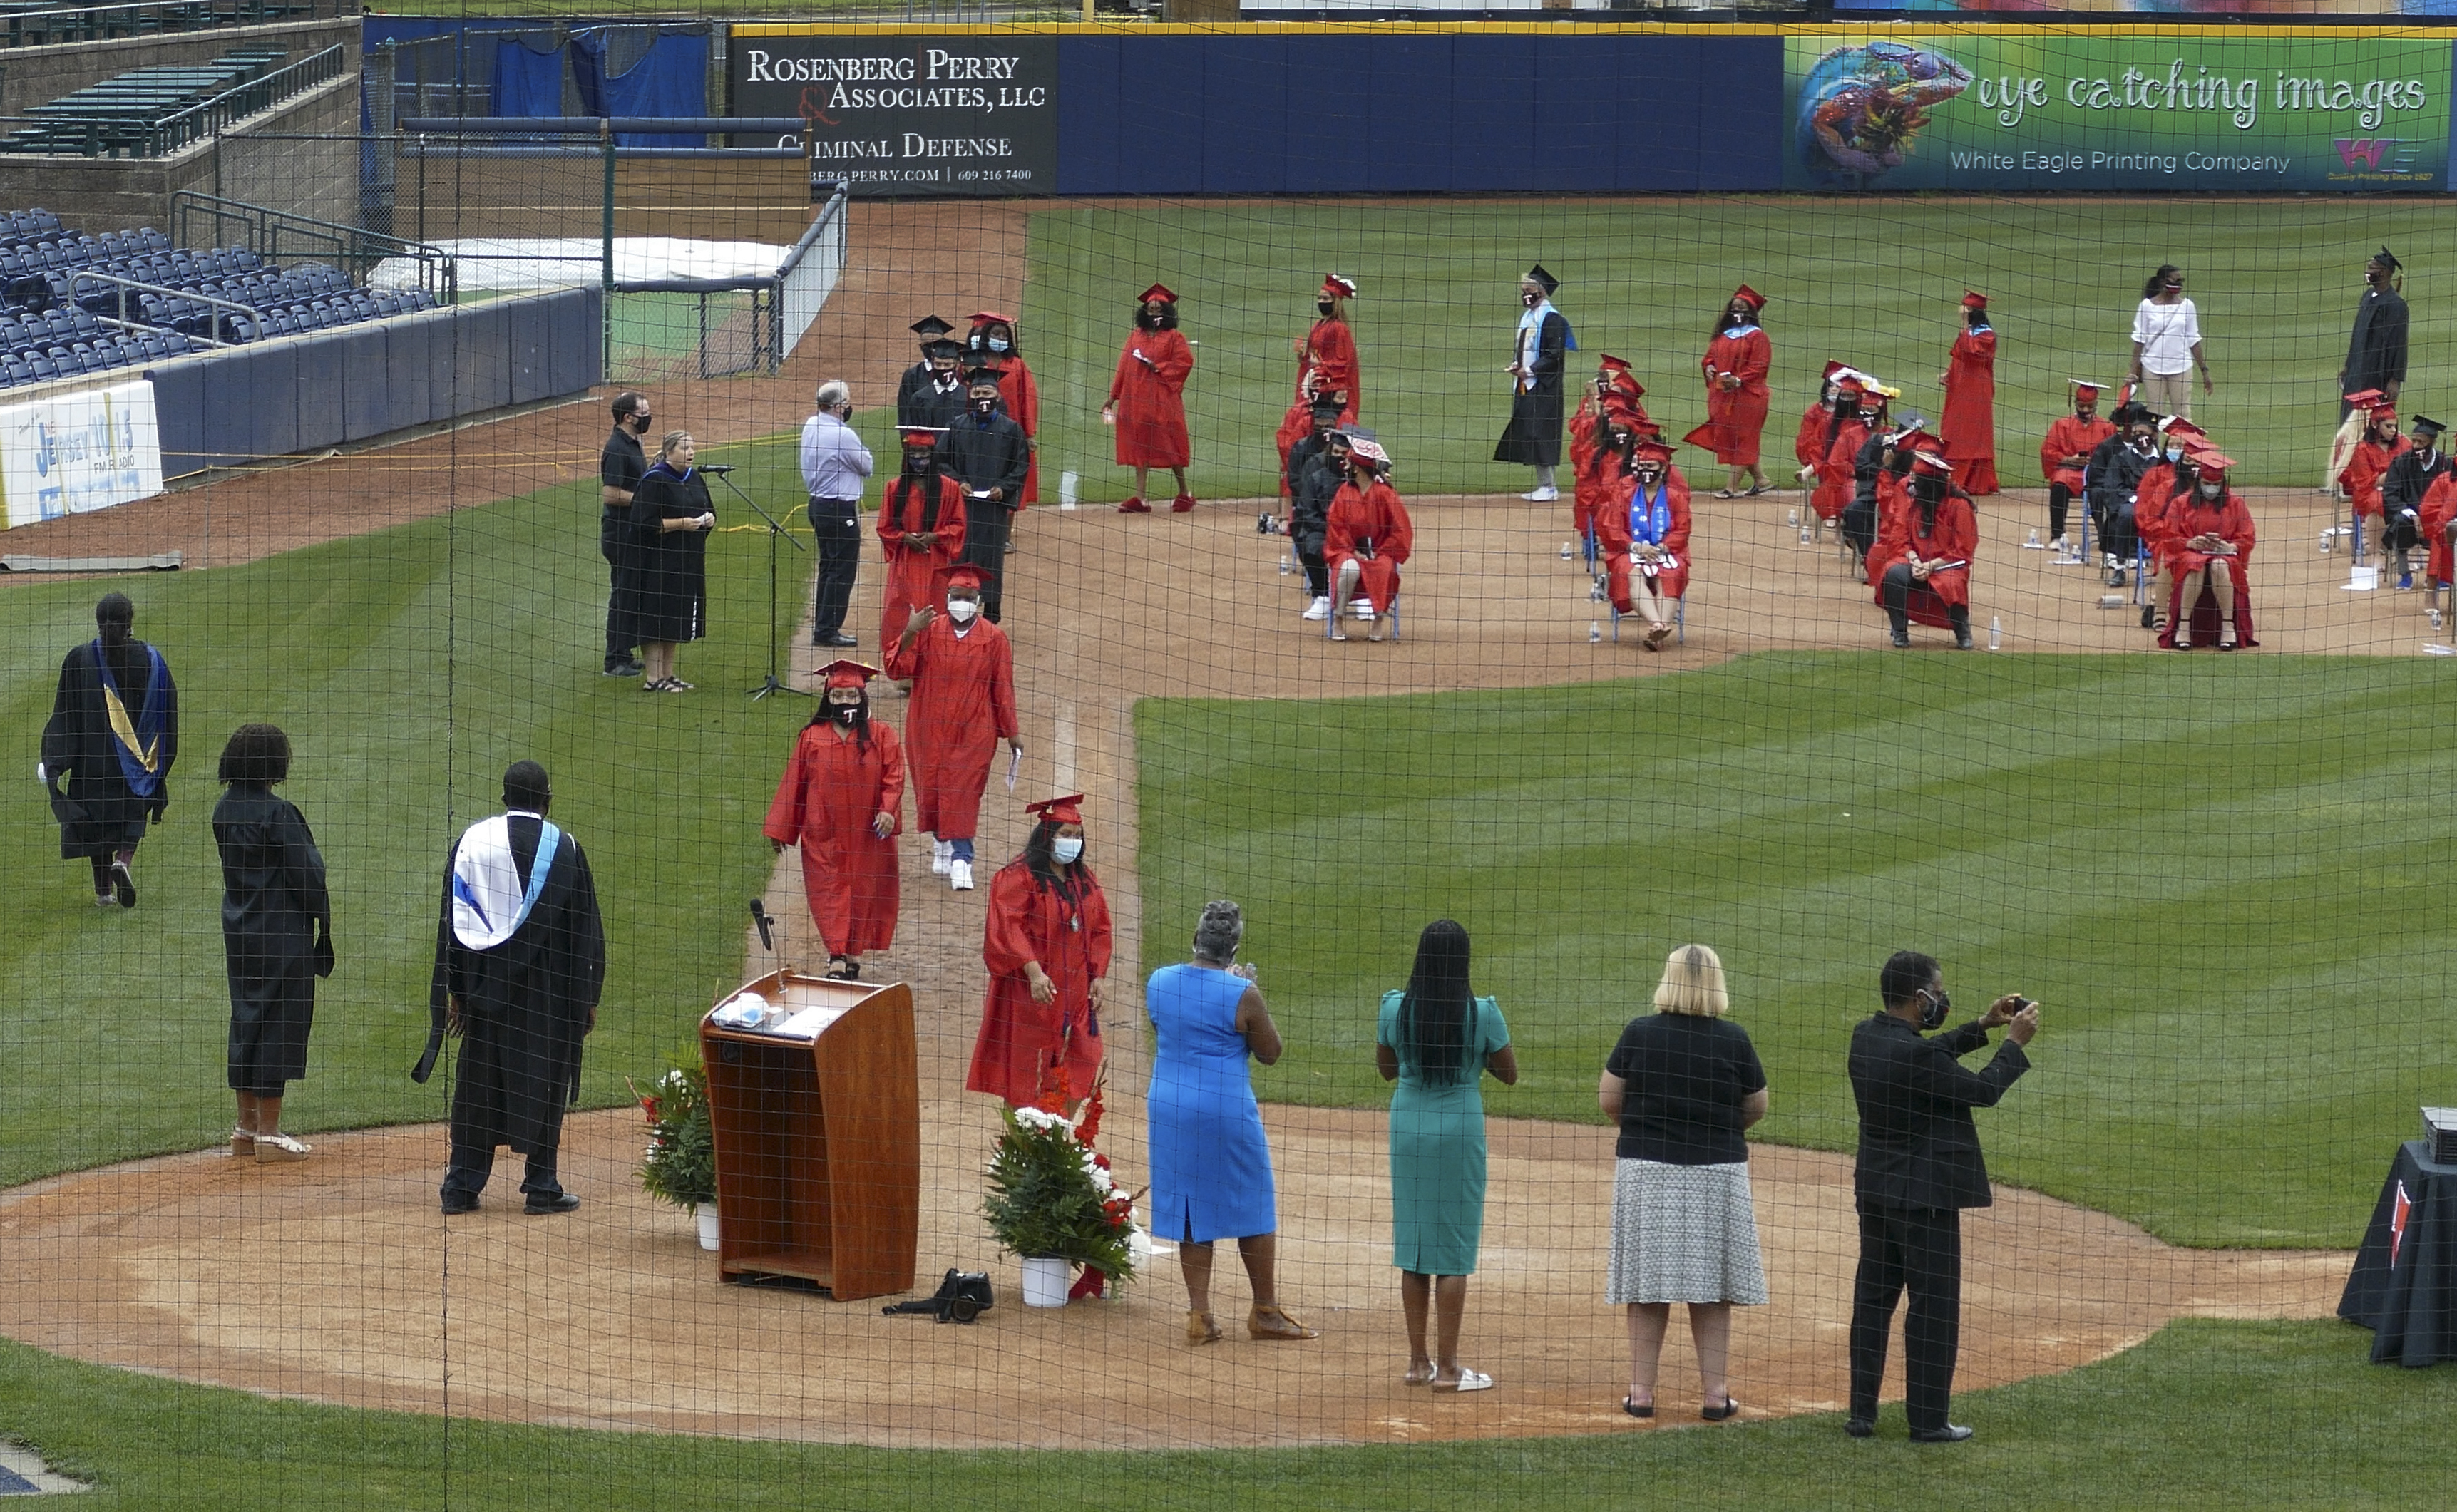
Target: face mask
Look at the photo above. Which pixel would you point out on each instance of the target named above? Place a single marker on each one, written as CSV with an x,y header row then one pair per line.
x,y
918,463
2145,445
999,344
1322,307
845,713
2212,490
2174,453
1932,1012
985,406
640,424
1066,848
1530,299
962,610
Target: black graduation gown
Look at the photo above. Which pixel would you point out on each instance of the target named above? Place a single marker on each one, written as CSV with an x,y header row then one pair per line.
x,y
1860,515
277,933
670,597
2376,350
2401,489
525,1005
1533,437
97,810
920,401
1310,496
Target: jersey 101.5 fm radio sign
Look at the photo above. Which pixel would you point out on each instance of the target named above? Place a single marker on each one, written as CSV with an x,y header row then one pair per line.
x,y
911,116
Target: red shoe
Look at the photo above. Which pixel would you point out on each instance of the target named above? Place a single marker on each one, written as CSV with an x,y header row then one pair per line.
x,y
1181,503
1093,1282
1134,507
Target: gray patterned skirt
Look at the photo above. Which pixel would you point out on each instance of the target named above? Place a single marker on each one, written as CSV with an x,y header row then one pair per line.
x,y
1684,1234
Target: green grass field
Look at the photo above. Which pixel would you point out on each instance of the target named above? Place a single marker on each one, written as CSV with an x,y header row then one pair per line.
x,y
2206,872
413,665
1874,282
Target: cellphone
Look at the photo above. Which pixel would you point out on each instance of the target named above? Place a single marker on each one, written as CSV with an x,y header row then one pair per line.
x,y
2020,1003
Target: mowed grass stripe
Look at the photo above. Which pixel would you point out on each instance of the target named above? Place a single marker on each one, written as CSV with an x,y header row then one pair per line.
x,y
2202,868
409,667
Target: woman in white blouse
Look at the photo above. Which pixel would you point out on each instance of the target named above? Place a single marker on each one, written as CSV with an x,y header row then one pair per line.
x,y
2167,345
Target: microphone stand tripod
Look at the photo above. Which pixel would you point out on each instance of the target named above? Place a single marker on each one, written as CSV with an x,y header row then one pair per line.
x,y
776,531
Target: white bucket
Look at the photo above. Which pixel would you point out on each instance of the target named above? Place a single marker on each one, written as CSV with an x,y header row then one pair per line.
x,y
2364,579
1067,484
1044,1282
705,1213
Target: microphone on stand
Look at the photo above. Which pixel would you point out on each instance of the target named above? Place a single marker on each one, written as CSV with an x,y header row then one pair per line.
x,y
760,916
717,469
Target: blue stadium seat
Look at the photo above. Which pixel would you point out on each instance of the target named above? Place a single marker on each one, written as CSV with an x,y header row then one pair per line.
x,y
19,370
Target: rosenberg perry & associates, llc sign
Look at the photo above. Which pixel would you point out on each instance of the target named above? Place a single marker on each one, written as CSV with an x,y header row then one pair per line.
x,y
905,115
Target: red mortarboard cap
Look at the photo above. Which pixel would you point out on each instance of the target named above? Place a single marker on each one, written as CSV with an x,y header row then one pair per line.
x,y
1930,460
2210,459
1749,297
1336,287
929,328
1651,447
964,576
2084,387
1157,290
2364,398
2382,414
1606,362
919,435
1974,299
990,318
2180,428
1067,810
1849,379
1370,449
1833,366
842,673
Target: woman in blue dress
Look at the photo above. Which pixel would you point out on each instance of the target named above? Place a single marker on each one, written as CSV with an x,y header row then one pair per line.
x,y
1436,1039
1210,1165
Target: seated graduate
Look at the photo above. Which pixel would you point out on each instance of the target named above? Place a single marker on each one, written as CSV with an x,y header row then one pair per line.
x,y
1644,536
1310,490
2409,476
2066,452
2171,472
1367,538
2115,469
1859,518
1921,564
2439,520
2214,538
1616,391
2377,443
1816,433
1834,470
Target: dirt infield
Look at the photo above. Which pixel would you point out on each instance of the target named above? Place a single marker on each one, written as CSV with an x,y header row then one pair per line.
x,y
164,1265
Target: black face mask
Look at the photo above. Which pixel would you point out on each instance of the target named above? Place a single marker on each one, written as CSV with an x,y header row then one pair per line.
x,y
988,406
1934,1010
639,423
1322,307
920,464
847,714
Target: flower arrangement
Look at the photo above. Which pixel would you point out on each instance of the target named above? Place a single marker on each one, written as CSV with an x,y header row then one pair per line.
x,y
680,1165
1051,1193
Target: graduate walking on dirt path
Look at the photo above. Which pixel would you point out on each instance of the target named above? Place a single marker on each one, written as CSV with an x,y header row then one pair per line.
x,y
841,801
962,672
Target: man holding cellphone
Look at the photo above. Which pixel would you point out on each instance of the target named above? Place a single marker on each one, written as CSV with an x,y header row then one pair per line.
x,y
1918,1167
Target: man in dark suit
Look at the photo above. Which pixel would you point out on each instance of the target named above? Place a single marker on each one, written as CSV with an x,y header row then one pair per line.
x,y
1918,1167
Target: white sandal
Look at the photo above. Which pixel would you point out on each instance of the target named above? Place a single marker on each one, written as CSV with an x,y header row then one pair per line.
x,y
1469,1381
273,1149
243,1144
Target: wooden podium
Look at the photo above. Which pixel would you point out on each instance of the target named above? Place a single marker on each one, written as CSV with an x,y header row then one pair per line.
x,y
817,1120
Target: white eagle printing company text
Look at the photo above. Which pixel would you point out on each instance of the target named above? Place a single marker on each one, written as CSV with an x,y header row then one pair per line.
x,y
2011,96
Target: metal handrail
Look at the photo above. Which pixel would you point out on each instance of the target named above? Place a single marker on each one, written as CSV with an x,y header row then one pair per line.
x,y
84,23
207,117
124,287
355,248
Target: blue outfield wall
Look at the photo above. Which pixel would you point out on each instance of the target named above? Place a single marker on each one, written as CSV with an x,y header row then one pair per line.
x,y
1443,112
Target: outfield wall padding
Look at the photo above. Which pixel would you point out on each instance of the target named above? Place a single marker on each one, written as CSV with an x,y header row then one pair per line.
x,y
293,394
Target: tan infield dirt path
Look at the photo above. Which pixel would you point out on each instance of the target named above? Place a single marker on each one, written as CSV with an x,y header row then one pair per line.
x,y
337,1280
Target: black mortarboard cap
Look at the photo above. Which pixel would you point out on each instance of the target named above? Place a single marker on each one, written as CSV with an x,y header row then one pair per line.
x,y
930,327
1328,404
1543,279
2424,424
2387,258
978,372
941,347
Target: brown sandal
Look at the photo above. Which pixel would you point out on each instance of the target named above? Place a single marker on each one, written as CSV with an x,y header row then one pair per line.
x,y
1201,1330
1275,1323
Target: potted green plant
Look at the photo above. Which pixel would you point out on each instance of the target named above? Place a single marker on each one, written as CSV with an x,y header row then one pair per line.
x,y
680,1166
1053,1202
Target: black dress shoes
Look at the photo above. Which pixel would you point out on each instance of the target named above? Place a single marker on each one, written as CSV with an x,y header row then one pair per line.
x,y
1951,1432
455,1202
1861,1427
835,638
541,1203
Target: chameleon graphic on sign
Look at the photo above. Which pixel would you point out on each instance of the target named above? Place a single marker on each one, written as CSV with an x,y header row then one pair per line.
x,y
1861,107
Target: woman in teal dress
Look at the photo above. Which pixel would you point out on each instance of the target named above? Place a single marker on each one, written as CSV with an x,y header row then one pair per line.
x,y
1436,1040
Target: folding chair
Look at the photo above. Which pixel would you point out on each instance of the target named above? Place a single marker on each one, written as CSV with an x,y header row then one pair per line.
x,y
1331,620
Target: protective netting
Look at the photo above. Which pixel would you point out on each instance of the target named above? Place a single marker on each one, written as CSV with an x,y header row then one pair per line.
x,y
2218,873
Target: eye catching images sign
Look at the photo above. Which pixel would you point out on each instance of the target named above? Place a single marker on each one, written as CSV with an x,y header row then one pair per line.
x,y
909,116
2082,111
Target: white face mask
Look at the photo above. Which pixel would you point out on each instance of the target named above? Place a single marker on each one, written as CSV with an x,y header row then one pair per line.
x,y
2212,490
2174,453
1066,848
962,610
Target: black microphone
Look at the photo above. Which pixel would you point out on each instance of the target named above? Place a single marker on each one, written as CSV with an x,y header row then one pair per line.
x,y
720,469
760,916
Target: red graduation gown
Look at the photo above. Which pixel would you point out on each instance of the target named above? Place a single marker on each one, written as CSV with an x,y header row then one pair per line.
x,y
1021,1043
1615,534
2071,435
2152,499
2439,508
1150,393
832,787
1735,419
1022,398
1967,425
1808,443
2190,515
2364,470
1374,515
1330,355
916,577
1953,537
1838,474
964,701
